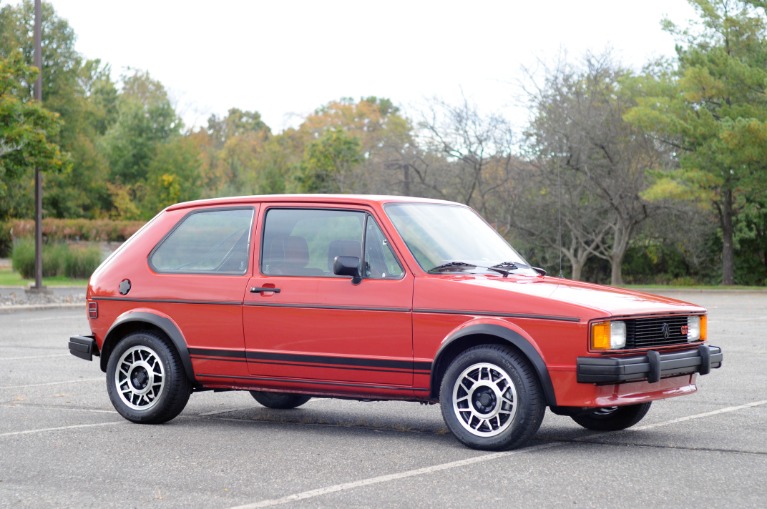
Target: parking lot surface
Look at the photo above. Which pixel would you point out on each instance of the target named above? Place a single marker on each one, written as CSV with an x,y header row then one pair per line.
x,y
63,445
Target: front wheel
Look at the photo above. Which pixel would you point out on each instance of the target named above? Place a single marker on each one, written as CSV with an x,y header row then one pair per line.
x,y
613,418
145,379
491,398
279,400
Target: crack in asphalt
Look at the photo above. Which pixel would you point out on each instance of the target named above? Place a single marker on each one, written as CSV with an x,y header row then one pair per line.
x,y
585,440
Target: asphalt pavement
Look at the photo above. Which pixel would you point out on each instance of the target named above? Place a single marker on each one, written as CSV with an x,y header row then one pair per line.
x,y
63,445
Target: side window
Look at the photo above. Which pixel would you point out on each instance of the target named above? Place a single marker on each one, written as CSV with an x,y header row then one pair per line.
x,y
208,242
380,262
304,242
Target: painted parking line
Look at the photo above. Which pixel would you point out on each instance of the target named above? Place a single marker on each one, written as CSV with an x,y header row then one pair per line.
x,y
25,406
394,477
700,416
32,357
593,436
47,318
52,383
470,461
62,428
225,411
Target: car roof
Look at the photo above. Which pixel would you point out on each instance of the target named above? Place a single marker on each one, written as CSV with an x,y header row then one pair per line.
x,y
345,199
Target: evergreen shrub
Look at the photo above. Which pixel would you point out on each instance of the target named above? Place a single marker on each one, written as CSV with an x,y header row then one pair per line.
x,y
59,259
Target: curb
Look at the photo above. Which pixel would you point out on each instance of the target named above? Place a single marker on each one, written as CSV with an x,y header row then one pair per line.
x,y
40,307
59,297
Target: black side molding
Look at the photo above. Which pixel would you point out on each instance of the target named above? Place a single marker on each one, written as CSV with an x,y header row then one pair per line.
x,y
84,347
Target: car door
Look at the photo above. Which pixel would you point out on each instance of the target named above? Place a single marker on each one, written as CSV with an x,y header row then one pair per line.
x,y
304,323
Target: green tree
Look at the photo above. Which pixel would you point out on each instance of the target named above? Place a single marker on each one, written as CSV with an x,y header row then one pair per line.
x,y
236,123
84,96
385,138
174,175
273,168
238,141
712,108
101,97
61,63
27,131
79,190
327,163
82,191
145,118
240,162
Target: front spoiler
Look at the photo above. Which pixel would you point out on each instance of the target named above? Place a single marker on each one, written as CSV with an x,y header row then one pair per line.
x,y
651,367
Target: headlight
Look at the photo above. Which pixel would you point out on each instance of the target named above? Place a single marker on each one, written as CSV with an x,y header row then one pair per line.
x,y
608,335
696,328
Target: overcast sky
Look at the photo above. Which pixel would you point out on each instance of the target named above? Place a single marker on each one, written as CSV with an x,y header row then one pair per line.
x,y
285,58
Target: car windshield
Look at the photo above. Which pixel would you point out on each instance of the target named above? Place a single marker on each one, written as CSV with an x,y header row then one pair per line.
x,y
453,238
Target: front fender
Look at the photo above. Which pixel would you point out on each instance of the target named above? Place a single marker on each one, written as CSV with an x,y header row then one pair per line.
x,y
134,320
505,333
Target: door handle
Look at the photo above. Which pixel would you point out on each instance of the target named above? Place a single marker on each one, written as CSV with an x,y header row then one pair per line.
x,y
264,289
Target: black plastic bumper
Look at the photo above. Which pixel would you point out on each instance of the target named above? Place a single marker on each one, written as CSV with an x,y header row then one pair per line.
x,y
84,347
651,367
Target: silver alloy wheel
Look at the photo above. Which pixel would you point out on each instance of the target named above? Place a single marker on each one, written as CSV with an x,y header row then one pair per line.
x,y
139,378
484,399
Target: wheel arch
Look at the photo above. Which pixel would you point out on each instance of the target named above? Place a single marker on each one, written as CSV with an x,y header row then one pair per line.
x,y
141,321
489,334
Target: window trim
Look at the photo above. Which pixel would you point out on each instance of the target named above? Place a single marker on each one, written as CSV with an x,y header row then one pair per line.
x,y
205,273
368,215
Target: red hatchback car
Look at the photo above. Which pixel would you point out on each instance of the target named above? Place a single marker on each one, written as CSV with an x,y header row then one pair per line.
x,y
367,297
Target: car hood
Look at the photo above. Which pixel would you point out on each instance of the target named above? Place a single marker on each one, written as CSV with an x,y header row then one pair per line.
x,y
557,296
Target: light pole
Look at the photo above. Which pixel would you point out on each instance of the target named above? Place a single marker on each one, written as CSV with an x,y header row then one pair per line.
x,y
38,287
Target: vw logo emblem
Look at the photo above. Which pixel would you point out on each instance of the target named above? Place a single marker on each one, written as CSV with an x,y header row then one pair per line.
x,y
666,330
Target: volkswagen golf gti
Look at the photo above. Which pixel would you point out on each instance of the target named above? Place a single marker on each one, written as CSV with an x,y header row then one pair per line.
x,y
292,297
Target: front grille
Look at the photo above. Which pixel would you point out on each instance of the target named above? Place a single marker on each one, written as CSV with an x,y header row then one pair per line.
x,y
653,332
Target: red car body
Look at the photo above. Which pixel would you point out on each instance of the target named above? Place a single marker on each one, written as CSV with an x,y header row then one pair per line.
x,y
322,334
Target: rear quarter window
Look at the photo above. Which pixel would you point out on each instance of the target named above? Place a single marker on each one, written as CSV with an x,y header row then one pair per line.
x,y
208,242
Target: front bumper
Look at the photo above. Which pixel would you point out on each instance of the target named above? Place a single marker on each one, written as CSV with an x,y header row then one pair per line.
x,y
84,347
651,367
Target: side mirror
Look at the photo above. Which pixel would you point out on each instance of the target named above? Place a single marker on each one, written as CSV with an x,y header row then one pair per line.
x,y
347,266
540,271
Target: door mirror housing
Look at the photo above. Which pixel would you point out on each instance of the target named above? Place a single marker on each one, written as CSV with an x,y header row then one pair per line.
x,y
347,266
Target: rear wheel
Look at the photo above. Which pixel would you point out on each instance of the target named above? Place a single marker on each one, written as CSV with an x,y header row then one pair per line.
x,y
145,379
613,418
279,400
491,398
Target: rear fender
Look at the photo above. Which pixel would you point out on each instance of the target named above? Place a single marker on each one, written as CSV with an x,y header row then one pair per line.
x,y
138,320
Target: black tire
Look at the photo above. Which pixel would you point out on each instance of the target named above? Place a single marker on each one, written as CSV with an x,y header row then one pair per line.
x,y
612,418
280,400
491,398
145,379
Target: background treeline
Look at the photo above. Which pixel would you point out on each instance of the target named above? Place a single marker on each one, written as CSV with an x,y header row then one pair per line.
x,y
650,176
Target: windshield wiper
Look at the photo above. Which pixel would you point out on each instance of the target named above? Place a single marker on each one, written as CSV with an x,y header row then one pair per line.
x,y
451,265
504,268
507,267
